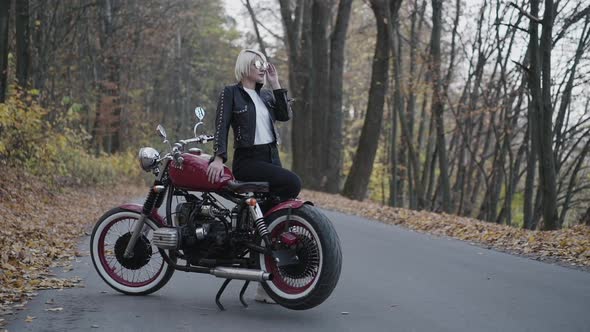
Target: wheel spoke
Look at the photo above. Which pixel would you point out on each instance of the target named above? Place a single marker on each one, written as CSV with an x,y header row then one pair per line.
x,y
111,260
302,275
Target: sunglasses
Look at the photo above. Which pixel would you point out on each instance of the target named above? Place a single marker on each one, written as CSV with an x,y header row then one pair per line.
x,y
261,65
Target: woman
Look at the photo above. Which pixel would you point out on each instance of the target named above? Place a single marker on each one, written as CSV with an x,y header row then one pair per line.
x,y
251,111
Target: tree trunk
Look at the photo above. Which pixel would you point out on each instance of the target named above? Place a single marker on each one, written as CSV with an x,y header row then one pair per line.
x,y
320,82
362,166
334,138
305,89
397,160
537,208
22,42
481,175
40,59
531,167
4,19
315,79
512,181
430,192
514,173
291,28
489,206
540,87
415,184
472,125
437,103
586,218
393,161
449,75
297,25
430,155
411,105
547,160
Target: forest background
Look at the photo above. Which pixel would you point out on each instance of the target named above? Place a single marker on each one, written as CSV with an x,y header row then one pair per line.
x,y
471,108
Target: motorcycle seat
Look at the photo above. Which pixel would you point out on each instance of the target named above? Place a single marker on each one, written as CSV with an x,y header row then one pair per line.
x,y
247,187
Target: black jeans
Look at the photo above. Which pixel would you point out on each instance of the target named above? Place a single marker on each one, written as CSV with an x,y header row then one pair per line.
x,y
262,163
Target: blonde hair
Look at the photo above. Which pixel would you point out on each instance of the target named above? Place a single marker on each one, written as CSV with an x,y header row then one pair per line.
x,y
244,61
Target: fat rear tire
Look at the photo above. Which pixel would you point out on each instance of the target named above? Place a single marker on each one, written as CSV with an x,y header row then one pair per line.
x,y
317,291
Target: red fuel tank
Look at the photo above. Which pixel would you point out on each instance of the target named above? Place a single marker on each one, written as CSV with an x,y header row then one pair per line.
x,y
192,175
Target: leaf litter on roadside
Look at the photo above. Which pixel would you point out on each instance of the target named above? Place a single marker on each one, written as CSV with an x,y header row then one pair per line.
x,y
41,229
569,245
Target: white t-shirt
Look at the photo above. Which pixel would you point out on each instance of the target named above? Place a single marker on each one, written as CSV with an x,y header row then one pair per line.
x,y
263,126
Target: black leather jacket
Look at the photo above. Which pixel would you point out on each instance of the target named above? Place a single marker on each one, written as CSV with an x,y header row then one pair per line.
x,y
236,108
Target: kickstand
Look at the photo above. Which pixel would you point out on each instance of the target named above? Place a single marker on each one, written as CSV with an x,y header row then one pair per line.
x,y
225,283
242,293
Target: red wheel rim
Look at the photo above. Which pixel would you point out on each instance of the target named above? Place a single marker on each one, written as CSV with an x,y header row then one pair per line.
x,y
307,272
115,270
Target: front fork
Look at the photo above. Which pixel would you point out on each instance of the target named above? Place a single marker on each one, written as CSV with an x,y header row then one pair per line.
x,y
148,206
134,236
142,224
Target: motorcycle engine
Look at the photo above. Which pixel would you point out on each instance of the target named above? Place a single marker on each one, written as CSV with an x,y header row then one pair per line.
x,y
195,226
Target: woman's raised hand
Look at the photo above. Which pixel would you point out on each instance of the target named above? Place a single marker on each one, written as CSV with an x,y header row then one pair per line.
x,y
215,170
273,77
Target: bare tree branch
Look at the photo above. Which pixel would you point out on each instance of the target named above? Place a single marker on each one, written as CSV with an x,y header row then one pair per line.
x,y
520,65
272,33
255,23
571,20
512,26
525,13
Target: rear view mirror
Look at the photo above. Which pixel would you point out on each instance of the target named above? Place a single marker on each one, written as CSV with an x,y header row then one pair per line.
x,y
161,131
200,113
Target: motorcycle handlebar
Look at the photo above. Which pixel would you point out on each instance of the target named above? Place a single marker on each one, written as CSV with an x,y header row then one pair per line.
x,y
200,139
178,147
207,138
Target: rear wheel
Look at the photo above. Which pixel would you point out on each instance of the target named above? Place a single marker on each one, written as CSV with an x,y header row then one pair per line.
x,y
311,281
143,273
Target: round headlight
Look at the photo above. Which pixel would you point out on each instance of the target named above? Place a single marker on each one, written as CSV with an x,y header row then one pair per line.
x,y
148,157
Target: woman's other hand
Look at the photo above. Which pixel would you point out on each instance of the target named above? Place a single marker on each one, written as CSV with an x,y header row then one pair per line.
x,y
273,77
215,170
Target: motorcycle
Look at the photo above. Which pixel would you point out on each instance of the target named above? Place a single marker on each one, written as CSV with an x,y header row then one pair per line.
x,y
292,249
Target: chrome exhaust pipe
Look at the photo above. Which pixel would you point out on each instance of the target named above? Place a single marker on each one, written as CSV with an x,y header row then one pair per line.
x,y
240,274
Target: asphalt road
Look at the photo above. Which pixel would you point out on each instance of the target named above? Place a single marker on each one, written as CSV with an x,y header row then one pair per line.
x,y
392,280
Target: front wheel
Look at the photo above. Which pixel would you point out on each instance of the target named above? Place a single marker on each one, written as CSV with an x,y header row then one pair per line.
x,y
311,281
143,273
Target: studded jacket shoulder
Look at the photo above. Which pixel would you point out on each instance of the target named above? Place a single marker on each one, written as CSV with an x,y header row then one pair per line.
x,y
235,108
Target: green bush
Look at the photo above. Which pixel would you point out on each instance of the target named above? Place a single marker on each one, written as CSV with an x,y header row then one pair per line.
x,y
51,145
